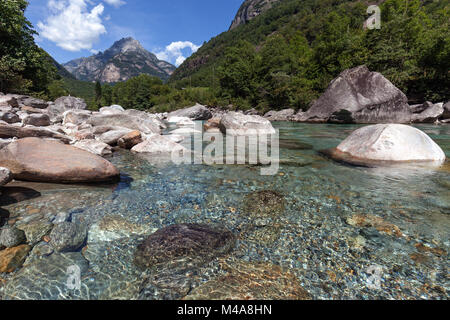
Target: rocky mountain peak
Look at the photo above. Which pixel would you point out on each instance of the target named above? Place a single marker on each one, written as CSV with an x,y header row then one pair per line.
x,y
251,9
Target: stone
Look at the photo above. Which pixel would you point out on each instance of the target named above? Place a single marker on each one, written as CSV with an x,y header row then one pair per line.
x,y
264,204
129,140
13,258
67,237
114,109
185,131
9,131
93,146
197,112
145,115
47,278
388,143
419,108
5,142
8,100
33,159
283,115
11,237
157,144
5,176
37,120
430,115
9,117
76,116
446,114
144,125
359,96
31,110
212,123
184,243
30,101
35,231
251,281
113,136
68,103
238,124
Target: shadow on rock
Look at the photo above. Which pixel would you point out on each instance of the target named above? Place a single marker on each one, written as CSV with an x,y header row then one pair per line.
x,y
11,195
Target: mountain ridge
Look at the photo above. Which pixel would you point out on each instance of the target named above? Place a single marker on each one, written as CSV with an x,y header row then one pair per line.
x,y
125,59
251,9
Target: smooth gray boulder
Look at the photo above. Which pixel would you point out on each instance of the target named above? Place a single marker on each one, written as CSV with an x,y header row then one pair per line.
x,y
76,116
114,109
93,146
446,114
29,101
112,137
197,112
9,117
388,143
157,144
359,96
62,104
430,115
238,124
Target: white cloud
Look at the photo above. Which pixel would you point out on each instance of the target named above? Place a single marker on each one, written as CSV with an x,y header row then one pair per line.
x,y
173,52
115,3
71,25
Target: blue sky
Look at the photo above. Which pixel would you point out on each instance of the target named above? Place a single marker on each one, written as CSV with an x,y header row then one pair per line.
x,y
172,29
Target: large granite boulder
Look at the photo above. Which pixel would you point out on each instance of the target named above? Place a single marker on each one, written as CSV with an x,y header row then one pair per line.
x,y
112,137
431,114
359,96
157,144
387,143
29,101
76,116
187,242
63,104
9,117
283,115
34,159
93,146
238,124
197,112
114,109
144,125
129,140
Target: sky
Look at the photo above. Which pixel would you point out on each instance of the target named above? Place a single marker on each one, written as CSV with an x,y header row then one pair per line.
x,y
172,29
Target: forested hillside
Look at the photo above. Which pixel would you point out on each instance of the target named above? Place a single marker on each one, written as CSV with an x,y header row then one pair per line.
x,y
286,56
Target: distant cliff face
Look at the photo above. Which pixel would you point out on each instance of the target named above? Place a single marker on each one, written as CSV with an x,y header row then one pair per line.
x,y
124,60
251,9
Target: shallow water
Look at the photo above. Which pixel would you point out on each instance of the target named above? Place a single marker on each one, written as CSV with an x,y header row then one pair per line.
x,y
338,222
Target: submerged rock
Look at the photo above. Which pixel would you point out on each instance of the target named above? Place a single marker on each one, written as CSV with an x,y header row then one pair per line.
x,y
11,237
238,124
13,258
33,159
360,96
251,281
388,143
264,204
48,278
35,231
67,237
186,243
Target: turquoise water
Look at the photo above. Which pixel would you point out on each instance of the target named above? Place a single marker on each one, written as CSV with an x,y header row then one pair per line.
x,y
337,222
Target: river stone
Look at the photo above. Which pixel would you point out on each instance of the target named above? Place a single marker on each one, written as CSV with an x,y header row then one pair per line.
x,y
47,278
157,144
144,125
197,112
9,131
283,115
35,231
37,120
11,237
13,258
238,124
67,237
93,146
430,115
129,140
186,243
263,204
33,159
76,116
5,176
68,103
113,136
9,117
251,281
388,142
359,96
114,109
446,114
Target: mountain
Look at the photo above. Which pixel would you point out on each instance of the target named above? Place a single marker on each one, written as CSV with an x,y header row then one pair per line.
x,y
251,9
124,60
285,53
